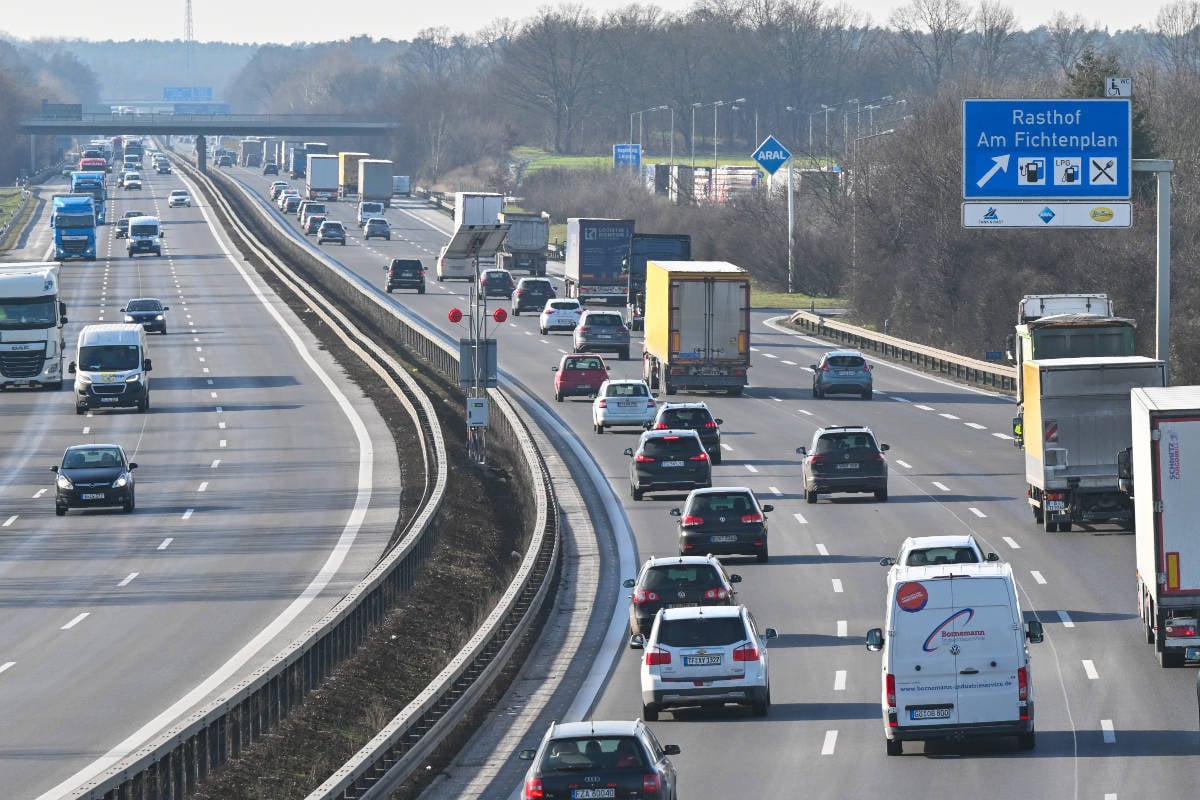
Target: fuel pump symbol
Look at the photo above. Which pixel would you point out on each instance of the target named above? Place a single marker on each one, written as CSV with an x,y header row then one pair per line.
x,y
1070,174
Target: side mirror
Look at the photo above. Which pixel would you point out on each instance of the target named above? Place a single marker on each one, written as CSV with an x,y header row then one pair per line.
x,y
735,578
802,451
146,364
554,369
991,557
1034,632
675,512
719,421
1191,654
813,367
132,465
770,633
875,640
883,448
71,368
671,749
166,308
628,583
629,452
768,508
887,561
54,468
527,754
637,641
123,311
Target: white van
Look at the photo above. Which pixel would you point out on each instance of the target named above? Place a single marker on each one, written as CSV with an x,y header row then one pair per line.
x,y
111,367
460,268
145,236
955,660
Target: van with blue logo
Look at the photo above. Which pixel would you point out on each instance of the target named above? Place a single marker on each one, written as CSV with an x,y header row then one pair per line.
x,y
955,657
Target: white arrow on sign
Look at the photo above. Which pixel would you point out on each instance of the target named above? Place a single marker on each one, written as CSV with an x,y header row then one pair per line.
x,y
1001,164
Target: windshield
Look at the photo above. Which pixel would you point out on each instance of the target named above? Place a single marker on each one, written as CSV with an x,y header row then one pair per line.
x,y
143,230
144,305
27,313
108,358
93,458
75,221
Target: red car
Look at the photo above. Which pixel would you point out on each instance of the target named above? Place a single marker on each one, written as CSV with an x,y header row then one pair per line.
x,y
313,224
579,375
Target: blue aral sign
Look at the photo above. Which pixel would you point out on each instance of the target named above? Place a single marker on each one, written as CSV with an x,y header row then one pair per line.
x,y
771,155
1047,149
627,156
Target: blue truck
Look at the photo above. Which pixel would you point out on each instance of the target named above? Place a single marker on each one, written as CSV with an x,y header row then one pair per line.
x,y
596,253
91,183
297,163
649,247
73,218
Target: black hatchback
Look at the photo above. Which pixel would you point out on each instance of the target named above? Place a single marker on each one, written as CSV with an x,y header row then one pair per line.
x,y
149,312
531,295
674,582
691,416
405,273
93,476
668,460
724,520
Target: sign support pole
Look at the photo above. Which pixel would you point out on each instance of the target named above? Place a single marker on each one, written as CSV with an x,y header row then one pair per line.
x,y
791,228
1162,168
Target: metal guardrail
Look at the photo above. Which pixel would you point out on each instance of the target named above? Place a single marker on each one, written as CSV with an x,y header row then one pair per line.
x,y
177,761
960,368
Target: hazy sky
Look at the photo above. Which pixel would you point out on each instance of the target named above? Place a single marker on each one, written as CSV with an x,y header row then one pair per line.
x,y
288,21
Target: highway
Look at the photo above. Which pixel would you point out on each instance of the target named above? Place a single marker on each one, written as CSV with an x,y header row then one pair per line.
x,y
1110,721
252,459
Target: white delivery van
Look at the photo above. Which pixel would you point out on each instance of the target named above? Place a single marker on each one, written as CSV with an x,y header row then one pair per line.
x,y
111,367
460,268
955,661
145,236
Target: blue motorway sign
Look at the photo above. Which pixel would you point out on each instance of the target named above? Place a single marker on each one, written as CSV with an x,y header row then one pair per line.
x,y
771,155
1047,149
627,156
177,94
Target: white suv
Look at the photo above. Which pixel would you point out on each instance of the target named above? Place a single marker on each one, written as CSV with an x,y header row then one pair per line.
x,y
179,197
623,402
705,655
922,551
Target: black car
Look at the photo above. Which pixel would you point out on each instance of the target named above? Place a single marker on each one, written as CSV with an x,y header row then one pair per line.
x,y
724,520
93,476
122,229
148,312
531,295
600,758
691,416
270,168
496,283
844,458
668,460
694,580
405,273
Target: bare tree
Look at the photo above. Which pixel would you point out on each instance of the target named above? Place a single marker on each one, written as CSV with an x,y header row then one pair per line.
x,y
1069,37
932,29
996,24
1177,35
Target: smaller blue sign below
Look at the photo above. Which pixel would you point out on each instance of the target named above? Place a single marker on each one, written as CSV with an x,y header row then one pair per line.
x,y
627,156
183,94
771,155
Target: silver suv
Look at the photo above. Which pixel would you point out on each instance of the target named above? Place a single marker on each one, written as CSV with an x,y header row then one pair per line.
x,y
602,332
844,458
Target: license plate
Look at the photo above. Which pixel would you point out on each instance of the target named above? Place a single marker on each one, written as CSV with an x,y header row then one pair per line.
x,y
592,794
92,496
627,403
701,661
583,386
929,713
108,399
1055,505
672,463
847,466
723,538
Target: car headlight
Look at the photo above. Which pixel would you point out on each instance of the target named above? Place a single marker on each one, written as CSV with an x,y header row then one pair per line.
x,y
128,318
63,482
133,379
120,482
158,318
86,380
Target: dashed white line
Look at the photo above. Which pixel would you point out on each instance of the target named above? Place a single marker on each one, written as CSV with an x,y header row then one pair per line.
x,y
977,512
751,467
822,549
923,408
166,543
221,443
219,409
904,464
209,381
216,463
1003,436
1066,619
221,425
800,518
1089,669
198,349
837,585
843,628
1011,542
774,490
201,359
38,493
976,426
213,395
203,486
830,743
770,355
839,680
188,513
789,363
726,447
10,520
805,411
1110,734
941,486
7,665
1037,576
86,430
80,618
947,416
128,579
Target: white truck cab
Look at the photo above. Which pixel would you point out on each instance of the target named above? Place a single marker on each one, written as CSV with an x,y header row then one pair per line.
x,y
955,662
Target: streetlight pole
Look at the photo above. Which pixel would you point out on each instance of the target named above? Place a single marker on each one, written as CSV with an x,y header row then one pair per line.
x,y
717,104
826,109
694,107
672,134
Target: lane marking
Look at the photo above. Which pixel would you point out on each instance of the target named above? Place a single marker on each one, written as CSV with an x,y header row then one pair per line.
x,y
221,443
726,447
773,489
770,355
976,426
800,518
923,408
1011,542
843,628
7,665
948,416
221,425
10,521
128,579
822,549
86,430
1110,734
188,513
837,585
166,543
839,680
213,395
1066,619
216,461
203,486
39,493
751,467
805,411
904,464
977,512
1003,436
1037,576
1090,670
75,621
941,486
830,743
789,363
219,409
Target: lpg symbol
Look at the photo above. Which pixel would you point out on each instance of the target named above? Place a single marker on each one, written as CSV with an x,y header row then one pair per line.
x,y
1066,171
1032,171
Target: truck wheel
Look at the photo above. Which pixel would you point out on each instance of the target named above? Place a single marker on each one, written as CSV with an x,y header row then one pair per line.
x,y
636,493
625,354
1050,526
734,391
895,747
1064,527
1171,660
1037,514
881,495
649,713
667,387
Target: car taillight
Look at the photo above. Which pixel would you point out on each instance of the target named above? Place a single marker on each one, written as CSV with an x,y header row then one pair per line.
x,y
1022,683
751,519
662,426
642,596
644,459
1181,630
520,292
745,652
650,403
1055,496
816,459
701,456
656,656
890,691
873,457
690,520
533,789
710,425
826,368
548,311
651,783
602,403
716,594
582,330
